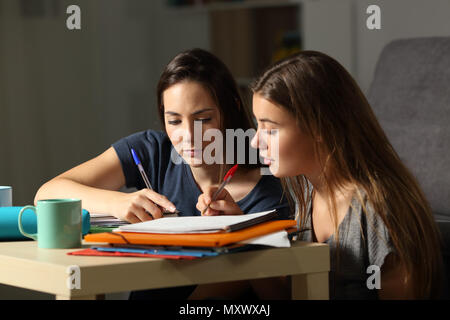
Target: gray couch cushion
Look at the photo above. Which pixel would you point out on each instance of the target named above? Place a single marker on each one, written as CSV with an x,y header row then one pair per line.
x,y
410,95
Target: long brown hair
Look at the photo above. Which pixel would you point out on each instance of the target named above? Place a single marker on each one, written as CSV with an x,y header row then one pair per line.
x,y
327,103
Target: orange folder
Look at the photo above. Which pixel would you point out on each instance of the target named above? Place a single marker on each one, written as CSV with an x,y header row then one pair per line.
x,y
191,239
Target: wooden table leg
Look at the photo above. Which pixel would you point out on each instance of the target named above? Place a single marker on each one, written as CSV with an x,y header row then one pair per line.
x,y
311,286
90,297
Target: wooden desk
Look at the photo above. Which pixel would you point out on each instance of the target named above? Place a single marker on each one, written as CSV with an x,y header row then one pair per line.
x,y
23,264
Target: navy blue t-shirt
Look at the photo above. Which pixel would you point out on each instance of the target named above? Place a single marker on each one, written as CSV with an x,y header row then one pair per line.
x,y
176,182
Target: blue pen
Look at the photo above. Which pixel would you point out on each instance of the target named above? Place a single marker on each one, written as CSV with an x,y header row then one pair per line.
x,y
141,169
145,178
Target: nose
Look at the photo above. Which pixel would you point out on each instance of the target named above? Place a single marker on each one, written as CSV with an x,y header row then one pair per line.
x,y
254,142
188,129
184,134
259,141
192,131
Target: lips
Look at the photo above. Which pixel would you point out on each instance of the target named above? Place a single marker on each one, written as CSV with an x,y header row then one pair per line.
x,y
192,152
267,161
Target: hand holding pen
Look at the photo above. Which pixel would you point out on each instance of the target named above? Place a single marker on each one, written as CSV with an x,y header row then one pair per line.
x,y
166,207
217,200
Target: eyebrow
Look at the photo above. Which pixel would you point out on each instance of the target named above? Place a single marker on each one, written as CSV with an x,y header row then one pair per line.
x,y
268,120
194,113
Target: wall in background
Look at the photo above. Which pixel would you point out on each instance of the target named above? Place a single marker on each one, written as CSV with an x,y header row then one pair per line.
x,y
46,77
400,19
86,89
65,96
338,28
328,26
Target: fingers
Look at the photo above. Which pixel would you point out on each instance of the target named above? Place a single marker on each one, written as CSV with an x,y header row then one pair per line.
x,y
143,208
225,207
150,209
136,213
142,214
211,190
159,199
131,217
202,204
212,212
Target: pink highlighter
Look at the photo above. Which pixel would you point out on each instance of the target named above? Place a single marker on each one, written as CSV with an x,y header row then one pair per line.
x,y
226,179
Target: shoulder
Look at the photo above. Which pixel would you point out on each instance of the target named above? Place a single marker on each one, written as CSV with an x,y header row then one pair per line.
x,y
269,189
151,136
270,183
362,212
367,211
151,146
156,135
263,185
266,195
376,234
142,140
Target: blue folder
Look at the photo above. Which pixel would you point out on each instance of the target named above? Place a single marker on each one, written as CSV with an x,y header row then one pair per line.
x,y
189,253
9,229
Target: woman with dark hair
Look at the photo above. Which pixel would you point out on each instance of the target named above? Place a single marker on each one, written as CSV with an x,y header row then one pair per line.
x,y
196,92
350,188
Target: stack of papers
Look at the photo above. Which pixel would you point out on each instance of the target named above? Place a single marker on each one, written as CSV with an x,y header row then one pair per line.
x,y
212,224
166,252
200,224
106,220
193,236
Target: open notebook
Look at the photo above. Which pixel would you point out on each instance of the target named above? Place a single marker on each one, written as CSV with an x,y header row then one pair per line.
x,y
199,224
217,239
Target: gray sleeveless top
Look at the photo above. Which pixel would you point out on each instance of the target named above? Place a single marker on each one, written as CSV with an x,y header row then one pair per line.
x,y
363,241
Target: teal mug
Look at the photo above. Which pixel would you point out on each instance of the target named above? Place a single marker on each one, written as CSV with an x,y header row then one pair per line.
x,y
58,223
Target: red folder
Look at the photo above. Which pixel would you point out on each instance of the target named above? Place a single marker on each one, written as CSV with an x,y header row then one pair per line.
x,y
93,252
191,240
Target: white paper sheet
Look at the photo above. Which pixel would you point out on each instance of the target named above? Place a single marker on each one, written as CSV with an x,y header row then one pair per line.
x,y
277,239
197,224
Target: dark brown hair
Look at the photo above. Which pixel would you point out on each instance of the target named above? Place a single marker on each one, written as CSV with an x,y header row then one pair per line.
x,y
201,66
328,105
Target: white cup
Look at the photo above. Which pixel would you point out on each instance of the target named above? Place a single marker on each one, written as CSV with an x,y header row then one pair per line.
x,y
5,196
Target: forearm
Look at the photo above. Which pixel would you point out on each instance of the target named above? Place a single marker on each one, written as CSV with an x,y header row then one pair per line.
x,y
95,200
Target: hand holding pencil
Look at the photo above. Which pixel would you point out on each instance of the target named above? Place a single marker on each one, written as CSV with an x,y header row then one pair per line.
x,y
217,200
166,208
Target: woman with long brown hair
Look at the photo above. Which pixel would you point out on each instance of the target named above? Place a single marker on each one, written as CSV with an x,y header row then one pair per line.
x,y
317,131
195,89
